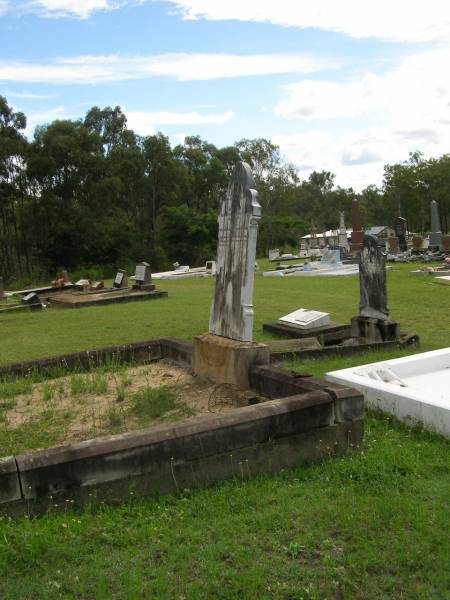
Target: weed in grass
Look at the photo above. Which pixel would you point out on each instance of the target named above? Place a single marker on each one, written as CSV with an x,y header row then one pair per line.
x,y
47,393
114,417
77,385
153,403
120,393
13,388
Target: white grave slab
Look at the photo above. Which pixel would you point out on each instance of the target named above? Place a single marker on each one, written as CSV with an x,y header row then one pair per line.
x,y
415,389
445,280
306,319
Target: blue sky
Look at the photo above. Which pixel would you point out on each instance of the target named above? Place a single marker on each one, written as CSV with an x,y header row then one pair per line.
x,y
345,86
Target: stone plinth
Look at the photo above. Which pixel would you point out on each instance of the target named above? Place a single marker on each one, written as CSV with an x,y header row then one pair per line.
x,y
227,361
371,329
356,241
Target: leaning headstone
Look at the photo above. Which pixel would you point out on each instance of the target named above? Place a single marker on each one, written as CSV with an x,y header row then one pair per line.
x,y
373,323
357,230
143,277
400,232
121,279
232,310
32,300
226,353
435,234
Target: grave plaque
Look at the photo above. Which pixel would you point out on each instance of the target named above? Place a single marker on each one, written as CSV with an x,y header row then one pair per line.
x,y
121,279
400,232
435,234
306,319
357,231
232,310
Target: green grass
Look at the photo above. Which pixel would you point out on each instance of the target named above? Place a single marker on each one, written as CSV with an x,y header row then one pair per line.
x,y
415,301
370,525
153,403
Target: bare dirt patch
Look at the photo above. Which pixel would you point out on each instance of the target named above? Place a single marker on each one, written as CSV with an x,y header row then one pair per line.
x,y
81,406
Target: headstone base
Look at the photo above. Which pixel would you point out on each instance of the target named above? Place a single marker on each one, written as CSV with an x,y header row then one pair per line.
x,y
148,287
371,329
224,360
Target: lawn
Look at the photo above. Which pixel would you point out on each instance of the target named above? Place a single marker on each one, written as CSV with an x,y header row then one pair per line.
x,y
369,525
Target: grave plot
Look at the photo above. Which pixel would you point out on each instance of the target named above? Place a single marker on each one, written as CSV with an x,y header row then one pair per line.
x,y
259,418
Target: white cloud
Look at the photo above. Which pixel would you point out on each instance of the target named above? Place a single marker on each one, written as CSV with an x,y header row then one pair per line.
x,y
47,116
145,123
79,9
384,118
396,20
182,66
28,95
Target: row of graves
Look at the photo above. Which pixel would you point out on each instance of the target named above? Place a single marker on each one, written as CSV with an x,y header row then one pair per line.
x,y
273,418
86,292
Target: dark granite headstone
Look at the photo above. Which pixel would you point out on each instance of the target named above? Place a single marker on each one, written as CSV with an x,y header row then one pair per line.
x,y
373,322
121,279
400,232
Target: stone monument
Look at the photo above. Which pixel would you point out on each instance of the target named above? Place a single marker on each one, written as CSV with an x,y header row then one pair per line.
x,y
417,243
357,237
400,232
226,352
373,323
343,241
121,279
143,277
436,233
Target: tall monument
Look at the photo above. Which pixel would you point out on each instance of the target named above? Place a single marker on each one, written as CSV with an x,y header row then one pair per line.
x,y
226,353
435,233
356,240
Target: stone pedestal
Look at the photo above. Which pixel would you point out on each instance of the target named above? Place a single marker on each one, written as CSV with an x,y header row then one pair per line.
x,y
371,329
356,241
227,361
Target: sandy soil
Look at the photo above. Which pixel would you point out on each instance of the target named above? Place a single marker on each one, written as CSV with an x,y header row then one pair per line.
x,y
75,415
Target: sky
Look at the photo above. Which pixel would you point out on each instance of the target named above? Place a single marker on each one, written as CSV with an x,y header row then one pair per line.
x,y
340,85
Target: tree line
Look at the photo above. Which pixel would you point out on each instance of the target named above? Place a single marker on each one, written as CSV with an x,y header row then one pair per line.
x,y
92,192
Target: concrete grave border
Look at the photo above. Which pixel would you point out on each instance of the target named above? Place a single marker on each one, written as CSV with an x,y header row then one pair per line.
x,y
304,420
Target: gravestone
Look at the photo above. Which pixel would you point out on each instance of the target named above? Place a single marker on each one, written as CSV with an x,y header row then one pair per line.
x,y
306,319
226,353
274,254
417,243
143,277
2,289
400,232
210,267
373,323
357,236
446,243
121,279
393,244
435,234
32,300
343,241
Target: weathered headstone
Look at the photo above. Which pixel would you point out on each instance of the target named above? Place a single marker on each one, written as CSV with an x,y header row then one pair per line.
x,y
373,323
226,353
436,233
343,241
393,244
121,279
232,310
357,230
143,277
400,232
274,254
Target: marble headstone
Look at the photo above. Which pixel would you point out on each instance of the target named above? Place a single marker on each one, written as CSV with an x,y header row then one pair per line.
x,y
372,280
435,234
143,275
232,309
343,241
400,232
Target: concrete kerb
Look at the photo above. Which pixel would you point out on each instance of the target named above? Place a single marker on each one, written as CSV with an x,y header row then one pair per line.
x,y
286,431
